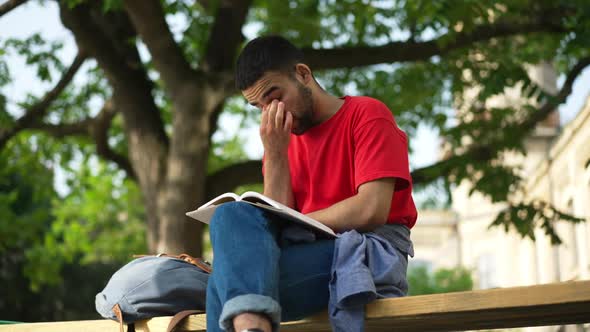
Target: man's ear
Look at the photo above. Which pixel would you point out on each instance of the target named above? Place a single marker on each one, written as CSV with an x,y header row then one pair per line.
x,y
303,73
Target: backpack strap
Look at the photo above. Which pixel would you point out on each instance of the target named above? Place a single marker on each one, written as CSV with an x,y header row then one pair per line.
x,y
198,262
179,317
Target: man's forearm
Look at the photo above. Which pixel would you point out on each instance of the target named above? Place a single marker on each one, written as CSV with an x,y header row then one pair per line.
x,y
345,215
365,211
277,179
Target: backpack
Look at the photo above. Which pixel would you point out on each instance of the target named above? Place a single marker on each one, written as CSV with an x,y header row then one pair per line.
x,y
151,286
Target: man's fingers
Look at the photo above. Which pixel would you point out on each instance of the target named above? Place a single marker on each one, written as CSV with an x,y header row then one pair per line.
x,y
280,116
288,122
272,112
264,118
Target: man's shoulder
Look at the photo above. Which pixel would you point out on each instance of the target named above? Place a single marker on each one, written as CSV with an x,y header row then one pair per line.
x,y
368,107
366,101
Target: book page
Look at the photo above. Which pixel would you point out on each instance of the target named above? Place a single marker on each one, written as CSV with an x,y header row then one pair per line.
x,y
254,197
223,198
204,212
285,211
297,217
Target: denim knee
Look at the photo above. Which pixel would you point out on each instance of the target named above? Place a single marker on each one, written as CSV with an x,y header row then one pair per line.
x,y
234,215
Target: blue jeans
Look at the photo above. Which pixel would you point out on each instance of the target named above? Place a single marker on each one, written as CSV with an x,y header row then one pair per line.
x,y
251,273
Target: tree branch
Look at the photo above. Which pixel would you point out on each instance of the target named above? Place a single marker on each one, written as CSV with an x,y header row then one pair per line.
x,y
148,17
93,39
106,38
214,121
444,167
489,151
558,99
96,128
229,19
81,128
100,129
10,5
227,179
348,57
37,111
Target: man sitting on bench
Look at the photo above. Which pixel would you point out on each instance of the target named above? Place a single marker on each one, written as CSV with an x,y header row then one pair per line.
x,y
342,161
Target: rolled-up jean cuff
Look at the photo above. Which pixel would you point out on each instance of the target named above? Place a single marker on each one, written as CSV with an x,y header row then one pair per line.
x,y
253,303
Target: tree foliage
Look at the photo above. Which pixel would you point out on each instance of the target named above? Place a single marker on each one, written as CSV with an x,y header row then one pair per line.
x,y
25,201
422,282
61,280
99,221
139,134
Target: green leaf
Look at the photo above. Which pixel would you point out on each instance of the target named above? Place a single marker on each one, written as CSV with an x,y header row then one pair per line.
x,y
422,282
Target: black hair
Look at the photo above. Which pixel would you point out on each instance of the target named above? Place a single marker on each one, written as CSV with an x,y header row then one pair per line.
x,y
264,54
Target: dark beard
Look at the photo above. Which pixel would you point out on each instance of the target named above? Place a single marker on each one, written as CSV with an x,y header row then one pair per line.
x,y
305,119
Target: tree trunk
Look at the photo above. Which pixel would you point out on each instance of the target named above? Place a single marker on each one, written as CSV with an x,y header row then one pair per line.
x,y
186,176
171,173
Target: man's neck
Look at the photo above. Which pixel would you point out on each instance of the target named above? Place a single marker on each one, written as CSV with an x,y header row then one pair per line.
x,y
325,106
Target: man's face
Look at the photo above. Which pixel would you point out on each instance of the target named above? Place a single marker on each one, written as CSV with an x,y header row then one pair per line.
x,y
282,87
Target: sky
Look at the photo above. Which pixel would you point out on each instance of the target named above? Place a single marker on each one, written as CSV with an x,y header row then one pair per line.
x,y
33,18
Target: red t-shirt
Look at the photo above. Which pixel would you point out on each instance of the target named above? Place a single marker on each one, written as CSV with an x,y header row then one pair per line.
x,y
358,144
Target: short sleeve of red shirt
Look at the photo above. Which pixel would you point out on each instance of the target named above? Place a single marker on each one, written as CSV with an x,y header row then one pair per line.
x,y
381,149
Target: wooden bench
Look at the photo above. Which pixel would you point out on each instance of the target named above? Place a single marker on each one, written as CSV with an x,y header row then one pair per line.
x,y
550,304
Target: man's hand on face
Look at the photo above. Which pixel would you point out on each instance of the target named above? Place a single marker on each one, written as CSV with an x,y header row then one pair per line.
x,y
275,128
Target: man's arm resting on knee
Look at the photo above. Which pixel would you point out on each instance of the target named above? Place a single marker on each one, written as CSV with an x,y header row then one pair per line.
x,y
365,211
277,179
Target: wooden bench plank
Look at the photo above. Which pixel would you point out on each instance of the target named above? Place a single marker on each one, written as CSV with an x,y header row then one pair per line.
x,y
79,325
550,304
192,323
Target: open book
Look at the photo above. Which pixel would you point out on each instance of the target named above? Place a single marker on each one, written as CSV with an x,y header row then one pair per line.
x,y
205,211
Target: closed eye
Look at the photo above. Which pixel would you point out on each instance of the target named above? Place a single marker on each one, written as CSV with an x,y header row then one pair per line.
x,y
269,95
266,97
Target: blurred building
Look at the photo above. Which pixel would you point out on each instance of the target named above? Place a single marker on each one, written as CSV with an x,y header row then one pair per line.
x,y
556,169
